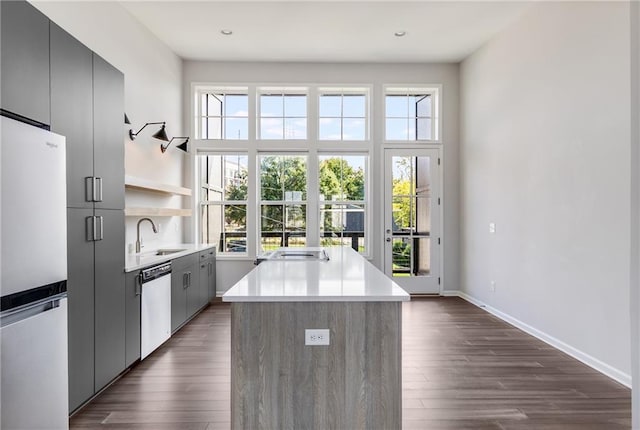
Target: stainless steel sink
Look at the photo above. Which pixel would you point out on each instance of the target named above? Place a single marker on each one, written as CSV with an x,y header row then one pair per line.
x,y
305,255
168,251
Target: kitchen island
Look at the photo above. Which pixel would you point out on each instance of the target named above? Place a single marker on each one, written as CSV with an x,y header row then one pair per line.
x,y
280,382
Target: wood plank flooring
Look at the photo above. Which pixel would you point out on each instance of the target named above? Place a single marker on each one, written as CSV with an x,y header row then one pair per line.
x,y
462,369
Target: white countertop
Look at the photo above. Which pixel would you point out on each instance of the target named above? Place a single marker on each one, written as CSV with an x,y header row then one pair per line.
x,y
346,277
149,258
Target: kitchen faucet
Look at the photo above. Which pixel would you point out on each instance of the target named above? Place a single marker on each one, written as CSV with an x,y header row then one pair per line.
x,y
155,230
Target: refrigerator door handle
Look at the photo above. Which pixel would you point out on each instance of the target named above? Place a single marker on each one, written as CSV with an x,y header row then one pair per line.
x,y
98,190
27,311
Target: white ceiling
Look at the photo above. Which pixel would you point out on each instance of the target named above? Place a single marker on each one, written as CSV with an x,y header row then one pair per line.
x,y
325,31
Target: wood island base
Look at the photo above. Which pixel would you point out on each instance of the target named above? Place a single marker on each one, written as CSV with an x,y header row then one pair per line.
x,y
279,383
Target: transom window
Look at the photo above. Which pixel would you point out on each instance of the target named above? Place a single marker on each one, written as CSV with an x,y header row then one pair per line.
x,y
410,114
223,201
223,114
342,114
283,114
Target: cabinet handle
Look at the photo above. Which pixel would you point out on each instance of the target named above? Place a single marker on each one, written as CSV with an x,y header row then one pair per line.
x,y
89,224
100,236
98,190
189,279
138,289
89,188
185,285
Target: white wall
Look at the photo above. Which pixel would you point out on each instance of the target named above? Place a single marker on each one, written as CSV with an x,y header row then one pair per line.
x,y
545,155
370,74
153,92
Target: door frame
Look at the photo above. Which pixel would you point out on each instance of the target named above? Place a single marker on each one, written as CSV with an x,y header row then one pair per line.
x,y
382,204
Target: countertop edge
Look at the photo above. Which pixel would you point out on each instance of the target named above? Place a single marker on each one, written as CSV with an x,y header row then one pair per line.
x,y
315,299
190,249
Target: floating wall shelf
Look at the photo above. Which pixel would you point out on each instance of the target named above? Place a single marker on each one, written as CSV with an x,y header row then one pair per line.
x,y
149,185
156,212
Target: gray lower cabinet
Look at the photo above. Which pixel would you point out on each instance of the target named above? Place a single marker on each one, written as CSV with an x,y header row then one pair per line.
x,y
109,297
24,75
132,297
185,289
80,291
208,274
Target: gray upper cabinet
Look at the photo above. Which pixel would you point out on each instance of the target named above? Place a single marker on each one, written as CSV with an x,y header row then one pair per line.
x,y
108,136
72,110
24,41
109,297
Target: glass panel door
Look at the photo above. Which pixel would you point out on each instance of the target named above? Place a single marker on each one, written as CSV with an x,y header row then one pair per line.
x,y
412,219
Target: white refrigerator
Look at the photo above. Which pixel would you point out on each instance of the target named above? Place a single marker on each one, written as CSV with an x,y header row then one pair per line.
x,y
33,267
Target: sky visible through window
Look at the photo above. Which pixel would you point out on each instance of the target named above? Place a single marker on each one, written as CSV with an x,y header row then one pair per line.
x,y
283,116
342,117
404,112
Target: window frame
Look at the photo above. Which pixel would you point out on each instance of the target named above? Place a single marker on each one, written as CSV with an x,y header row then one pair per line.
x,y
435,91
365,202
342,91
260,202
223,202
201,90
283,91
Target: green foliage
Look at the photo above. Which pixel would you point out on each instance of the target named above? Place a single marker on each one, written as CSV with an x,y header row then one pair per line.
x,y
339,181
402,186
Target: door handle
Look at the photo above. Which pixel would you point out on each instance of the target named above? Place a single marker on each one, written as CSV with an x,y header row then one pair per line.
x,y
388,239
98,189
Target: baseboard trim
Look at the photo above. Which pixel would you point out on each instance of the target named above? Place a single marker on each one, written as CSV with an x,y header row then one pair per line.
x,y
611,372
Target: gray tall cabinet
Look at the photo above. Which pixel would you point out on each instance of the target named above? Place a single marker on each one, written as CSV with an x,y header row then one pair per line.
x,y
87,106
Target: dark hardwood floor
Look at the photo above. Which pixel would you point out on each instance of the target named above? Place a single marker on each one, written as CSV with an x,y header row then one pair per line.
x,y
462,369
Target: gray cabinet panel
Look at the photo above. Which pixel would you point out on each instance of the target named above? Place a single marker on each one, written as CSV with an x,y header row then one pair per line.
x,y
109,298
80,310
24,40
108,136
212,279
132,309
179,284
72,109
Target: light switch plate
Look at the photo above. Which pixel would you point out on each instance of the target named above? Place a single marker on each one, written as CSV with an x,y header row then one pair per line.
x,y
314,337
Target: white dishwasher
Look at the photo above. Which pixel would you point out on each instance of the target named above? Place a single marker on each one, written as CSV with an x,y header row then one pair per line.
x,y
155,312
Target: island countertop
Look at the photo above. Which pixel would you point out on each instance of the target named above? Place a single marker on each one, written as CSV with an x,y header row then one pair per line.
x,y
346,277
